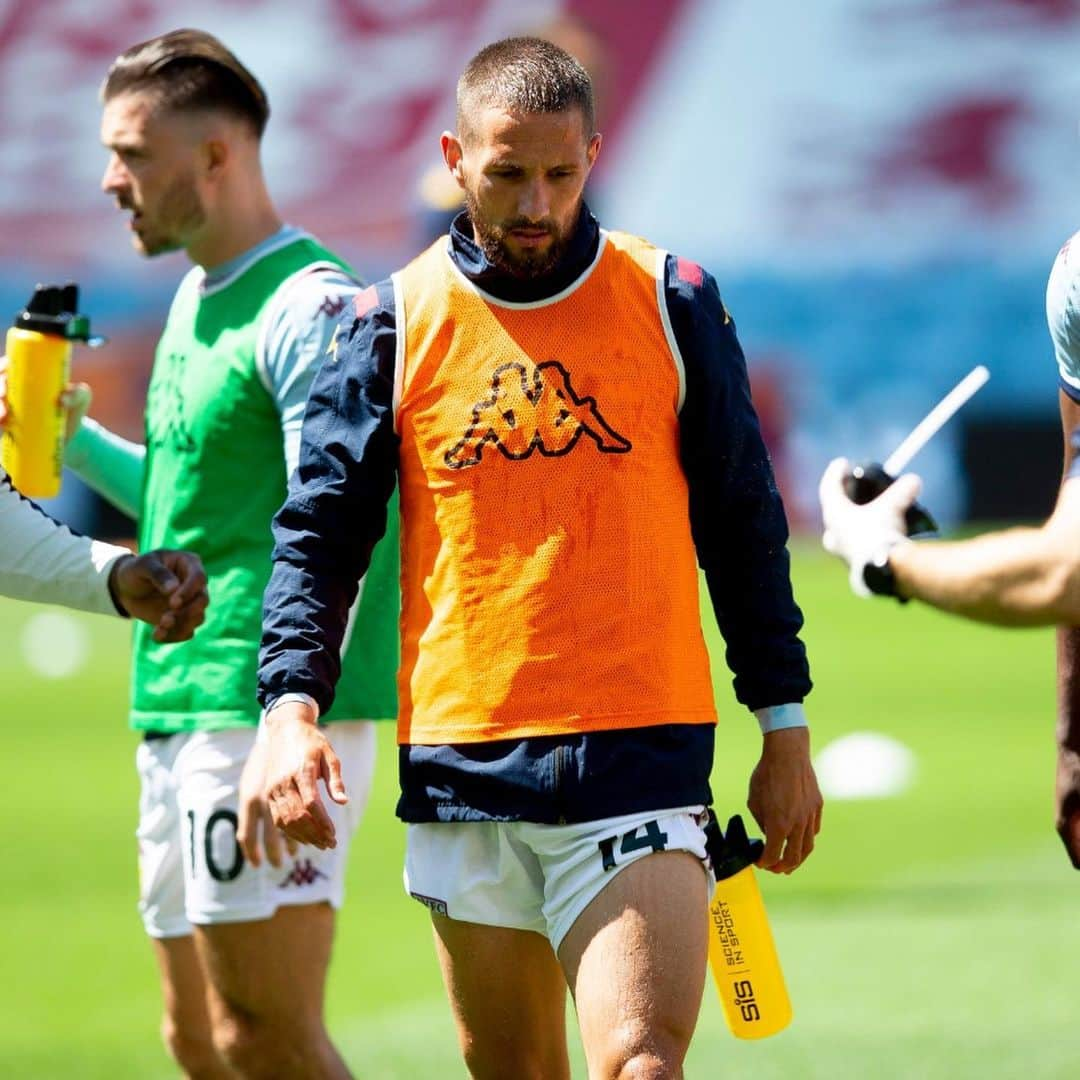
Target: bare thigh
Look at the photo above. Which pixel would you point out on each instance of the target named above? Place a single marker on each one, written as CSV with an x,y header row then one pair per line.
x,y
186,1021
508,998
266,989
635,960
275,967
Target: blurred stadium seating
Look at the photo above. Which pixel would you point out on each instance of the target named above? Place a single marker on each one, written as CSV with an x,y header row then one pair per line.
x,y
880,185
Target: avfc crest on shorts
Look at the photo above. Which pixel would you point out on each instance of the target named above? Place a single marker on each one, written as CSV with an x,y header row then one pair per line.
x,y
533,409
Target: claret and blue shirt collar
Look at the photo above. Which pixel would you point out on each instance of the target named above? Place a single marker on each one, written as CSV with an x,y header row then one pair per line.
x,y
475,265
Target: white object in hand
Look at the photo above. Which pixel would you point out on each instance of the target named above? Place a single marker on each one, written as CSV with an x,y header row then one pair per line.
x,y
936,419
862,534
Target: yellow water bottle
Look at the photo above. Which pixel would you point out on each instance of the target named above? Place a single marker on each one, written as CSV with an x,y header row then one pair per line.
x,y
39,364
742,954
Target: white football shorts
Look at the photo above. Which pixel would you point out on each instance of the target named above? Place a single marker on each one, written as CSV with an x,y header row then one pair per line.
x,y
536,877
191,869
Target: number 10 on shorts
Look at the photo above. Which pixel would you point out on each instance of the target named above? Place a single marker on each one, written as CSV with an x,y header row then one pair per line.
x,y
215,846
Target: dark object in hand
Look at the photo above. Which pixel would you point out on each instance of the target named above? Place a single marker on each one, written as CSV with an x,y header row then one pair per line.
x,y
867,481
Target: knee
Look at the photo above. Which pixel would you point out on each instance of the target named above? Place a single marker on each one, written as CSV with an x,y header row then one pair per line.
x,y
250,1046
647,1051
648,1066
194,1052
263,1047
528,1062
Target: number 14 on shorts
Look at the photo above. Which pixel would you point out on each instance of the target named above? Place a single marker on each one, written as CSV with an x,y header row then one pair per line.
x,y
644,836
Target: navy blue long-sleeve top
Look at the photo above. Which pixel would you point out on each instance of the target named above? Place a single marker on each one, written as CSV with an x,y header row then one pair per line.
x,y
336,512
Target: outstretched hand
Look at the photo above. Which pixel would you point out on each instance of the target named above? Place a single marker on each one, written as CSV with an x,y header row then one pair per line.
x,y
861,533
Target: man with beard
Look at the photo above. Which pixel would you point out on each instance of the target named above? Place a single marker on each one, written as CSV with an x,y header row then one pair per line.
x,y
242,946
567,412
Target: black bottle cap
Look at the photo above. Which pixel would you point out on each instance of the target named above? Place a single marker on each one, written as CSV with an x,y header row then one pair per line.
x,y
732,850
54,309
867,481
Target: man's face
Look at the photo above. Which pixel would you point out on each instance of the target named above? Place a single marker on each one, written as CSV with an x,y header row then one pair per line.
x,y
153,164
523,175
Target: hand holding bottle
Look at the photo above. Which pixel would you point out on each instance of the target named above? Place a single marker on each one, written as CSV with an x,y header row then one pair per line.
x,y
742,955
39,409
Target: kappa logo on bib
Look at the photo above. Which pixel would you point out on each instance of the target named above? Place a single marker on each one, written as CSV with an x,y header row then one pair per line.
x,y
533,408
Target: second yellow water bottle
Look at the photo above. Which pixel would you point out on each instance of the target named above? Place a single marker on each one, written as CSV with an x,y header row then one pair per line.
x,y
742,955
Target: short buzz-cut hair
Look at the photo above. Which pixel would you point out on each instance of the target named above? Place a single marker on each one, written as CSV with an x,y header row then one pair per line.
x,y
189,70
526,75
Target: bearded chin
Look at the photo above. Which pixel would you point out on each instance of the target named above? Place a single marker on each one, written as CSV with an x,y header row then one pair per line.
x,y
180,213
157,245
491,240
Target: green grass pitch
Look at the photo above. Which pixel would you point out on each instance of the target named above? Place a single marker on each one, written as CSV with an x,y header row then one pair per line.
x,y
931,935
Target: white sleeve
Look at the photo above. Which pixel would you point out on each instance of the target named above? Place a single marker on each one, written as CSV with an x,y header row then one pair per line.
x,y
44,561
295,335
1063,315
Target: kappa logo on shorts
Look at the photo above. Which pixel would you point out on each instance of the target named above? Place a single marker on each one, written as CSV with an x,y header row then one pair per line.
x,y
438,906
304,872
533,410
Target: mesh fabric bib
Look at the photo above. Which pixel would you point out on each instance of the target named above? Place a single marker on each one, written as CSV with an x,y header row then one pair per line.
x,y
549,579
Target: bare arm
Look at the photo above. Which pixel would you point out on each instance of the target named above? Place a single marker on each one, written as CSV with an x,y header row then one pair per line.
x,y
1020,577
1017,577
1067,786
